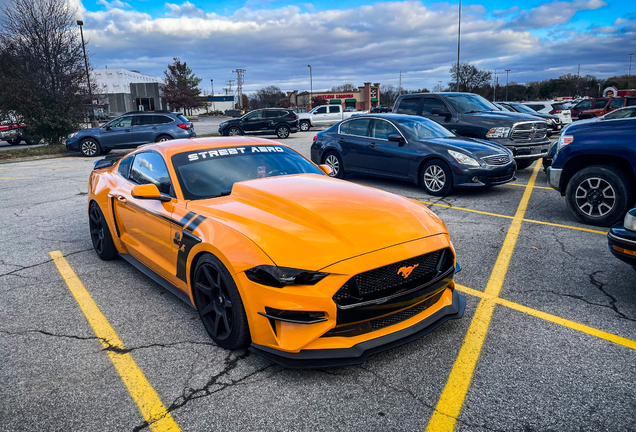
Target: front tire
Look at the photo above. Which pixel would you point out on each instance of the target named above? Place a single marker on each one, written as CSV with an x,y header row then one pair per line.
x,y
437,179
304,126
234,131
283,132
89,147
100,233
599,195
334,161
219,304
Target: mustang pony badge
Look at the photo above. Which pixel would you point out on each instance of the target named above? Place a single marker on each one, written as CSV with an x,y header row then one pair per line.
x,y
406,271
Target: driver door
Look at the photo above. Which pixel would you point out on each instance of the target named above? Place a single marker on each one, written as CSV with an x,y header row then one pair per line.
x,y
254,122
118,134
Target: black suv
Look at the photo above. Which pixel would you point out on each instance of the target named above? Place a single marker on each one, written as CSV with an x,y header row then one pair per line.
x,y
471,115
281,121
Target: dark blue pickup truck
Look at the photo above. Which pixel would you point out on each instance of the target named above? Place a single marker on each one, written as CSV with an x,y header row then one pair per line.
x,y
595,167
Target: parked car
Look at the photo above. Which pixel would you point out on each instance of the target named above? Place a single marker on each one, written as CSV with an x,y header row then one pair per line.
x,y
622,239
471,115
606,105
279,121
414,149
380,109
130,130
595,167
553,121
556,108
324,115
13,132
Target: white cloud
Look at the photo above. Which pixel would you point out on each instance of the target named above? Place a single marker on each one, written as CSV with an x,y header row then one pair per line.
x,y
556,12
114,4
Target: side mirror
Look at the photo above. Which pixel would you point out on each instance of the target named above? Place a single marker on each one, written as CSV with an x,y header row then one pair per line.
x,y
107,127
439,112
396,138
326,169
149,192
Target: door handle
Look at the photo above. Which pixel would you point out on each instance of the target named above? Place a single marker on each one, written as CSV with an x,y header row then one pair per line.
x,y
121,198
341,140
127,130
371,145
155,127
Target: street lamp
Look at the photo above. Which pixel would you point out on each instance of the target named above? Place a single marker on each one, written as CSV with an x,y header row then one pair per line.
x,y
440,85
459,32
507,70
80,23
311,87
629,75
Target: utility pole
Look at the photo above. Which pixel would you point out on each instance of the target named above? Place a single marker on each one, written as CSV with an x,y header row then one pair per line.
x,y
80,23
212,90
507,70
228,89
440,86
239,85
629,75
400,84
578,78
311,88
459,33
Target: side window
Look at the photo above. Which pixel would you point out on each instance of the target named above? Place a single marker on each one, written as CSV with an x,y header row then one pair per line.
x,y
381,129
256,115
335,109
600,103
124,166
631,102
161,119
149,168
321,110
269,114
144,120
122,122
586,104
359,127
617,103
408,106
535,107
430,104
344,127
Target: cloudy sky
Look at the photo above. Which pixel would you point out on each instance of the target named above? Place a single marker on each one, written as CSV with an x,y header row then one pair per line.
x,y
357,41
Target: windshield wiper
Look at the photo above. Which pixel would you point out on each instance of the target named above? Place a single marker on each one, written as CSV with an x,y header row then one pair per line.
x,y
473,111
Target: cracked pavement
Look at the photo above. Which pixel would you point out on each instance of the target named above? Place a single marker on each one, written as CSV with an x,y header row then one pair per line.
x,y
532,375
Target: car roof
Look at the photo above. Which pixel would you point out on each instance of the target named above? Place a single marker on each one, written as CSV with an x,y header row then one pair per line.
x,y
388,116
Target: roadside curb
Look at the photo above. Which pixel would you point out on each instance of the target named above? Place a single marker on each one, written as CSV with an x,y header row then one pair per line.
x,y
32,158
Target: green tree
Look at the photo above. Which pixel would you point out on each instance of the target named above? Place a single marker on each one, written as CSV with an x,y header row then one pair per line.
x,y
181,86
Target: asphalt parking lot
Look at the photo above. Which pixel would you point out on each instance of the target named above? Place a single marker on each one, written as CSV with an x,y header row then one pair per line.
x,y
547,342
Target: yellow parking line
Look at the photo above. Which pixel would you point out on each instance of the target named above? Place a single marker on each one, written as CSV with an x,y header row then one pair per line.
x,y
144,395
45,166
511,217
522,185
15,178
454,393
552,318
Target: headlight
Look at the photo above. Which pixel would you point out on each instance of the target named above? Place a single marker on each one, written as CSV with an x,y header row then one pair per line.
x,y
564,140
463,159
279,277
498,132
630,220
72,135
222,124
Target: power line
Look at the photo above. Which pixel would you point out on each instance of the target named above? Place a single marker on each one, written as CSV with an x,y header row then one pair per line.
x,y
239,85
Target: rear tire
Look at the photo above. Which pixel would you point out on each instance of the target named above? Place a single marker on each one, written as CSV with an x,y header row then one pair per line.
x,y
15,141
334,161
437,178
163,138
219,304
100,233
599,195
524,164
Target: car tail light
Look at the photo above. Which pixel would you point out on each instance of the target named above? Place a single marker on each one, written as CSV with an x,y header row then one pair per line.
x,y
184,126
293,115
315,138
555,111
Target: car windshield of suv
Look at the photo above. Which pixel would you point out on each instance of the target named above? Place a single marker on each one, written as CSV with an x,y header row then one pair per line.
x,y
212,173
470,103
421,129
621,114
523,109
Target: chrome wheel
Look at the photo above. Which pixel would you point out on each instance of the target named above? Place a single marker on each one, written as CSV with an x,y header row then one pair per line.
x,y
163,139
89,148
234,131
282,132
434,178
304,126
332,162
595,197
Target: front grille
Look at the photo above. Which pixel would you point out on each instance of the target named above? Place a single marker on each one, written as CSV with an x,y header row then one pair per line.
x,y
529,131
503,178
500,159
390,280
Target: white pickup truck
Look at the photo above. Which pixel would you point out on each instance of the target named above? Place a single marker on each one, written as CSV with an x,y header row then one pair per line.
x,y
324,115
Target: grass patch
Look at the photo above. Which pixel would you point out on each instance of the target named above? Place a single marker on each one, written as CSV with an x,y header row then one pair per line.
x,y
33,151
213,134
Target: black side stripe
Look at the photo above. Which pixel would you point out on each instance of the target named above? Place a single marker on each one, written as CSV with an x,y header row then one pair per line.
x,y
187,218
188,241
112,209
195,223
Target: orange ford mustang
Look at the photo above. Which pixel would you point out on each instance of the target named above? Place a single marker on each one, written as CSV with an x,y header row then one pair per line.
x,y
308,269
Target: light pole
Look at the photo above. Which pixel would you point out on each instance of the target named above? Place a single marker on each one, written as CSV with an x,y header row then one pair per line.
x,y
80,23
629,75
507,70
212,91
459,33
440,85
311,87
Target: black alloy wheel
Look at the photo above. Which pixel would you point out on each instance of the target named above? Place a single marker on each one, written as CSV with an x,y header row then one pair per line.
x,y
304,126
599,195
334,161
100,234
234,131
90,147
523,164
437,179
219,304
282,132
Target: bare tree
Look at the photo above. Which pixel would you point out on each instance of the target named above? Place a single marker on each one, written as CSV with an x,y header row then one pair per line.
x,y
388,94
470,78
344,87
43,77
267,97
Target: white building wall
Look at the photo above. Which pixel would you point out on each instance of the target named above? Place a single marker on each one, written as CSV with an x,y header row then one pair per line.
x,y
119,80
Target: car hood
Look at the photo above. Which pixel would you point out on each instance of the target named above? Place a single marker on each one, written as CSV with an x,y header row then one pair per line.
x,y
512,117
311,221
304,116
477,147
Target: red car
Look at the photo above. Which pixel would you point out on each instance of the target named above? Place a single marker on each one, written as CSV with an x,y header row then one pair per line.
x,y
10,132
598,107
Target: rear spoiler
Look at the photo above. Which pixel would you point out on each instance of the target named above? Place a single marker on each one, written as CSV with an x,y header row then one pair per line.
x,y
107,162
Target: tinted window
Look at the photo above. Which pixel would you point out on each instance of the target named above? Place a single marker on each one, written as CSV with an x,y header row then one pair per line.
x,y
344,127
335,109
558,107
421,128
535,107
254,115
408,106
213,172
321,110
616,103
142,120
522,108
161,119
122,122
469,103
621,113
586,104
124,166
430,104
600,103
631,101
359,127
182,118
149,168
382,129
270,114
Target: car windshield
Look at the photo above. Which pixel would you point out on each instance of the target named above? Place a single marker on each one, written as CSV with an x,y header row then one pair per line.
x,y
621,113
421,129
212,172
470,103
523,109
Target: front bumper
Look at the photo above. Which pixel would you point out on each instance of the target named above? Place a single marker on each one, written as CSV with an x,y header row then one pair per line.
x,y
72,144
554,178
622,244
491,175
524,151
